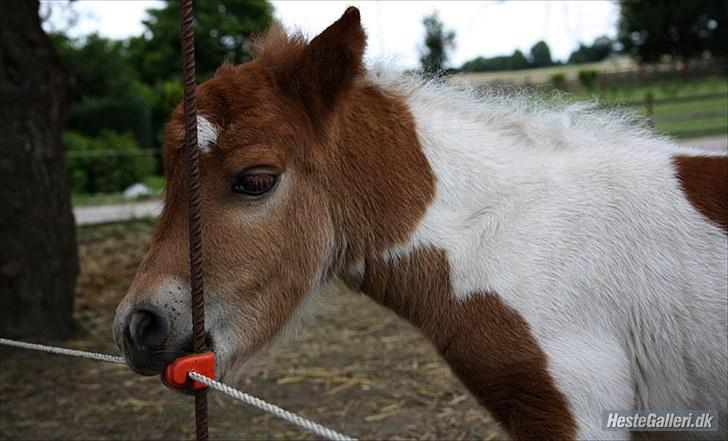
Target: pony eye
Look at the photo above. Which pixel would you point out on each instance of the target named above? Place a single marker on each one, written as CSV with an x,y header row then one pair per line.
x,y
255,182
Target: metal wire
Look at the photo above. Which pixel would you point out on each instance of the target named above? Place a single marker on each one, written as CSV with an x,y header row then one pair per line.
x,y
187,39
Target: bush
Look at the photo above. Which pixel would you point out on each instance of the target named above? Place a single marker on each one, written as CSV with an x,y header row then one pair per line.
x,y
129,113
588,78
558,81
163,97
92,168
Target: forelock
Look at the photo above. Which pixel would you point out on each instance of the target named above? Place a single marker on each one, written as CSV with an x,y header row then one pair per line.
x,y
278,48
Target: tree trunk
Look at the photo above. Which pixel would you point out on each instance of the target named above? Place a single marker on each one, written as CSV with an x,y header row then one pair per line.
x,y
38,256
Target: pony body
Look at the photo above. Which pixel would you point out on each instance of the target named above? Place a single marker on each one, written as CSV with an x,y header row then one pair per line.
x,y
580,223
563,261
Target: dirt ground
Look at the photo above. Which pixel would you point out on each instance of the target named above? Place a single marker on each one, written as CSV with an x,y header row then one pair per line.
x,y
358,369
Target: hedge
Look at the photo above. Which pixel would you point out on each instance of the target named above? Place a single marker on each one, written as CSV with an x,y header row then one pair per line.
x,y
129,113
92,168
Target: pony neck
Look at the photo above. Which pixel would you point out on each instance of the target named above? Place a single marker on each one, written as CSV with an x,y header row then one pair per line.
x,y
392,258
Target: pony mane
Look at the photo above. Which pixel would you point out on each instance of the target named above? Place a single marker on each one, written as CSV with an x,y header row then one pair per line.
x,y
535,119
539,120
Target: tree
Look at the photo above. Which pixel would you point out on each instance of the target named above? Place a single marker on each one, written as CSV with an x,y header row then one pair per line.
x,y
518,60
482,64
99,66
438,42
599,50
132,86
503,62
541,55
681,29
222,31
38,256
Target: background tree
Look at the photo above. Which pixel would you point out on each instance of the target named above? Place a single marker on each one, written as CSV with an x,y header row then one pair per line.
x,y
100,66
438,42
222,31
518,60
599,50
38,256
541,55
503,62
482,64
128,87
106,91
682,29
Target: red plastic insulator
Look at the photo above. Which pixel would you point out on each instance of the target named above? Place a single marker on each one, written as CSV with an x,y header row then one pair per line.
x,y
176,372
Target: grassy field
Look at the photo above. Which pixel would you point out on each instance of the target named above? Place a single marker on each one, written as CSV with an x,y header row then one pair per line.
x,y
659,90
154,183
544,74
672,119
682,109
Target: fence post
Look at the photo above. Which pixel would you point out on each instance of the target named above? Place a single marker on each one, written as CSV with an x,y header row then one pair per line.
x,y
650,108
650,104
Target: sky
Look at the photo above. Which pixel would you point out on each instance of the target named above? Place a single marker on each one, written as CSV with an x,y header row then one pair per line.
x,y
395,30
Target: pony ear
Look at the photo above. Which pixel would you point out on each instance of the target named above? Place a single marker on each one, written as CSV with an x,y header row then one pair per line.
x,y
334,59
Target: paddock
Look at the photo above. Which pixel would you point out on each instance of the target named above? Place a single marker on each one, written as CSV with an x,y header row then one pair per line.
x,y
357,368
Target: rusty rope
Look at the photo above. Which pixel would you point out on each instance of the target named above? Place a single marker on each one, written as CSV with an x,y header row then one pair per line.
x,y
187,38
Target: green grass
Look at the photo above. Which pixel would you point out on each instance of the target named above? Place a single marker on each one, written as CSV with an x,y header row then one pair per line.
x,y
700,126
691,129
708,105
85,199
154,183
659,90
115,230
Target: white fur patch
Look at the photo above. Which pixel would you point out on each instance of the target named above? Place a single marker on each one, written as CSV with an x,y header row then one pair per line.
x,y
207,133
575,218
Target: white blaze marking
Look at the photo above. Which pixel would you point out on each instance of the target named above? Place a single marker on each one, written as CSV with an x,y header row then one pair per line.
x,y
207,133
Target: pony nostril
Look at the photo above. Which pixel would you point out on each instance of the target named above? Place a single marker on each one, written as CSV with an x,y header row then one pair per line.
x,y
146,331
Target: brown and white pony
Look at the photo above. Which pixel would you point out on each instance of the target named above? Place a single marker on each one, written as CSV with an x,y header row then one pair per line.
x,y
561,260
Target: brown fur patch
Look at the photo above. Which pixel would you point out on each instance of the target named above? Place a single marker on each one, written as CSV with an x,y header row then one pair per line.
x,y
487,344
705,182
381,182
353,179
355,182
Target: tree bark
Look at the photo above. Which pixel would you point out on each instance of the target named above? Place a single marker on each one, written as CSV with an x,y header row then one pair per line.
x,y
38,255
